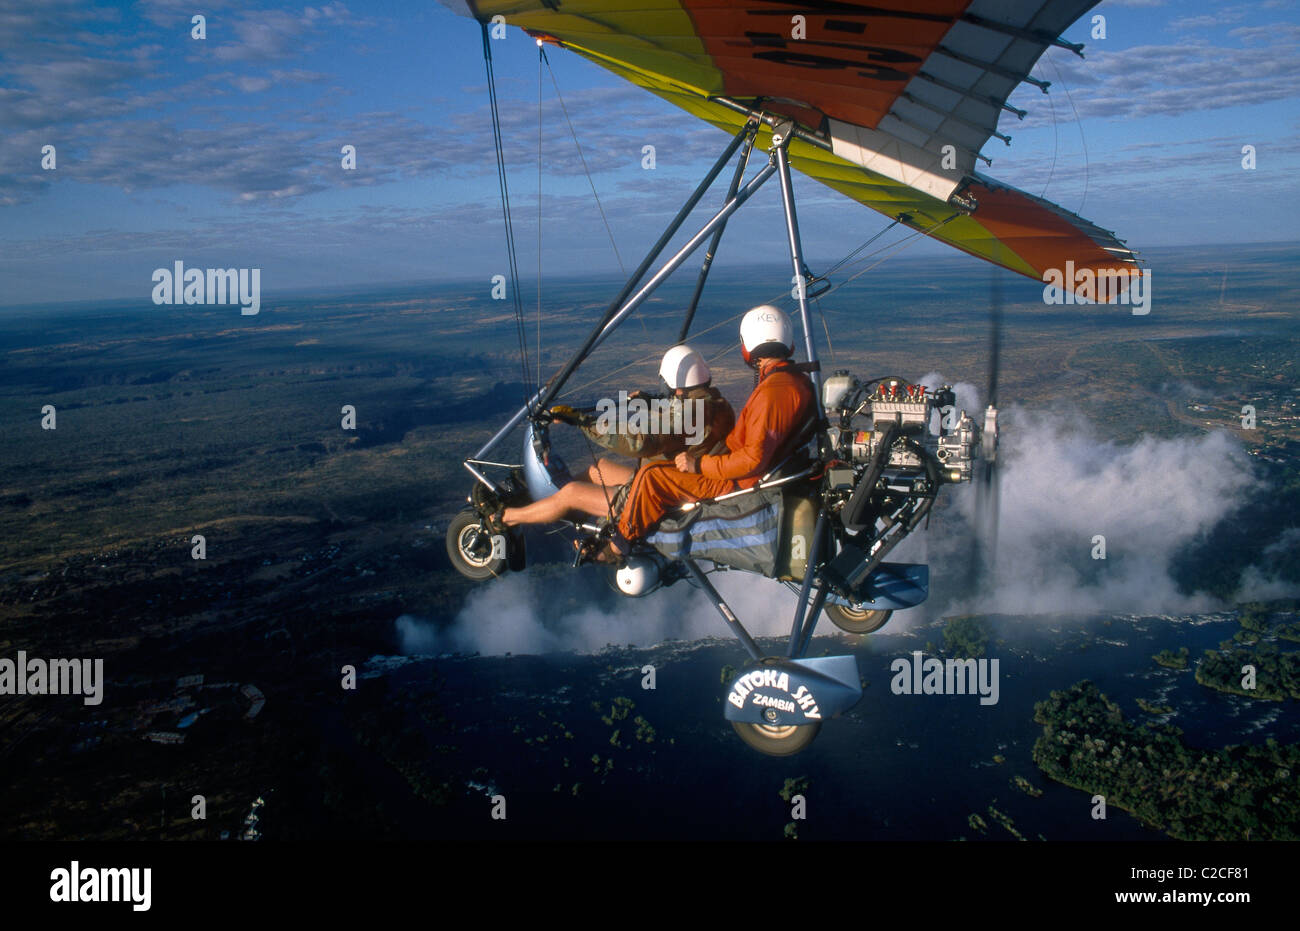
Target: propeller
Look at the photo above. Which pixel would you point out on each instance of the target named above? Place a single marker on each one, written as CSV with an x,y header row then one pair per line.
x,y
987,488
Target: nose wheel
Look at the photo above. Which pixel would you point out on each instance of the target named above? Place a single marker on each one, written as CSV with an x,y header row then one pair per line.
x,y
857,620
475,552
777,739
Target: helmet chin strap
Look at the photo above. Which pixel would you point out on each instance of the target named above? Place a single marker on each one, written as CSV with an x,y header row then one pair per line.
x,y
756,363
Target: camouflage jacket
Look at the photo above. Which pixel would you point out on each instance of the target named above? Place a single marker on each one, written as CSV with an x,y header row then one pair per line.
x,y
649,427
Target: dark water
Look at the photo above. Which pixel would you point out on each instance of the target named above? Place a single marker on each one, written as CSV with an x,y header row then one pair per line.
x,y
896,767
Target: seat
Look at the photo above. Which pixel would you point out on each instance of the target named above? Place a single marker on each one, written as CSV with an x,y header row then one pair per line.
x,y
741,530
753,529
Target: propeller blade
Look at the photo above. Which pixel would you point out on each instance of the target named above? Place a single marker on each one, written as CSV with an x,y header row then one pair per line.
x,y
988,491
995,334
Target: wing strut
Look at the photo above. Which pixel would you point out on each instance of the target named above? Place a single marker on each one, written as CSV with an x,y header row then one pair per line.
x,y
741,165
780,140
617,306
623,305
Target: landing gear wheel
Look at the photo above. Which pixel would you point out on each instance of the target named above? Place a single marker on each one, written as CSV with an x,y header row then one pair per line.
x,y
777,740
469,544
857,620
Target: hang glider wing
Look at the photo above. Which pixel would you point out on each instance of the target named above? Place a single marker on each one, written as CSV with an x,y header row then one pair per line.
x,y
899,95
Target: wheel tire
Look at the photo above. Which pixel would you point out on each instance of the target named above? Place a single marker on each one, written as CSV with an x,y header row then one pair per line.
x,y
857,620
777,741
470,554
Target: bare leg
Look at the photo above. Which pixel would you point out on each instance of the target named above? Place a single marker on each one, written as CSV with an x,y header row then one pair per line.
x,y
609,473
575,496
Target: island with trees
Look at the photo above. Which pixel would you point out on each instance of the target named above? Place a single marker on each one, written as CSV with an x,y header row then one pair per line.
x,y
965,637
1190,793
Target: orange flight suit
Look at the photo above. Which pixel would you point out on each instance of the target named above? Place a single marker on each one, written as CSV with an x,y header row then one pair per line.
x,y
781,404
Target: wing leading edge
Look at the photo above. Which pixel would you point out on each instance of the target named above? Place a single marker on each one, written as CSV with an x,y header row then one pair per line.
x,y
902,96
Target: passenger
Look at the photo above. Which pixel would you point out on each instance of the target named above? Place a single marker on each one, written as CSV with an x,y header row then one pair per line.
x,y
701,418
698,420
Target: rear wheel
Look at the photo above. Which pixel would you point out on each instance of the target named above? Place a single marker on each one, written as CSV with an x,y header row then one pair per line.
x,y
777,740
857,620
472,549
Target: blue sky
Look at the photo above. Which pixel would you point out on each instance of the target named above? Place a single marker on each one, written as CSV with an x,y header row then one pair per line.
x,y
225,152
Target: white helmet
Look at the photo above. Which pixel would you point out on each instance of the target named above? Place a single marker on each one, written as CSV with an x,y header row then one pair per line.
x,y
683,367
765,331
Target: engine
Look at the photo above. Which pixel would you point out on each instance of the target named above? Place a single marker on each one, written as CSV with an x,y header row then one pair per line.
x,y
893,444
927,435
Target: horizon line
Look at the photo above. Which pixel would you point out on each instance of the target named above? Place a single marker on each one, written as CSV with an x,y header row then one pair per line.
x,y
360,289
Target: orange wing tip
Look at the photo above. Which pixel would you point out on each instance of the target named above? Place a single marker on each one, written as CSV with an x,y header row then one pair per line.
x,y
1104,284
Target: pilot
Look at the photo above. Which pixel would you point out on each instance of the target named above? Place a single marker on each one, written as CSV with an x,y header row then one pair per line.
x,y
696,420
781,405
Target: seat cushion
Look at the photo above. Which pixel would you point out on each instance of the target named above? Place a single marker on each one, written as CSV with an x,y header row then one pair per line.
x,y
742,532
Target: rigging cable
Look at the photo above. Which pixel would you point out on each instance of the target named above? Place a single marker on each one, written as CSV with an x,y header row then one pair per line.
x,y
1056,147
540,55
583,158
623,368
595,458
722,352
830,347
1082,140
899,245
587,171
844,261
520,329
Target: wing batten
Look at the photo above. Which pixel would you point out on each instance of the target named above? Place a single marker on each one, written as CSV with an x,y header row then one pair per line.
x,y
886,88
